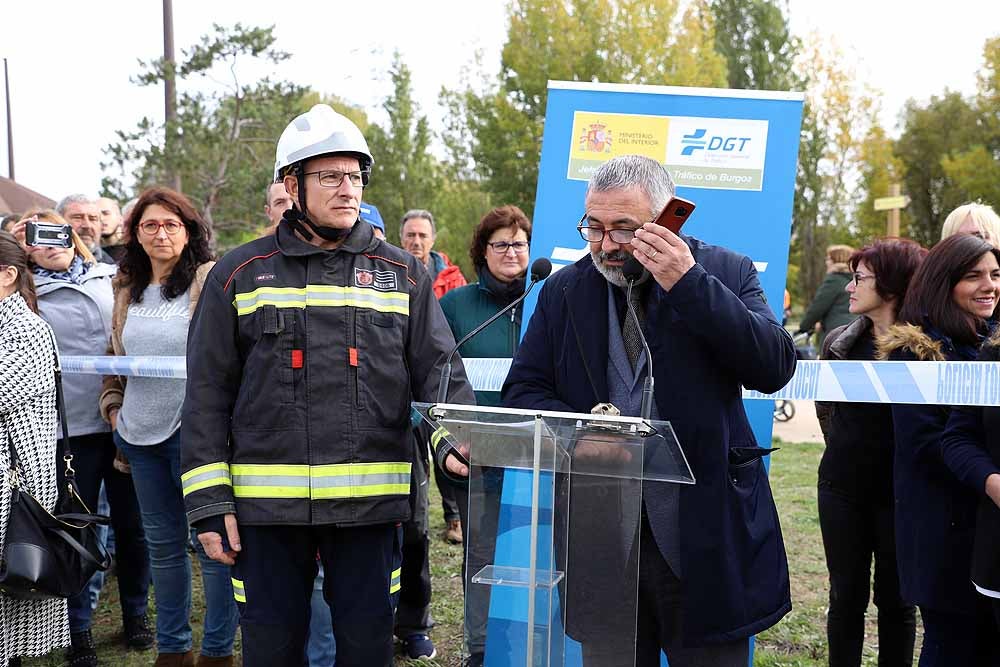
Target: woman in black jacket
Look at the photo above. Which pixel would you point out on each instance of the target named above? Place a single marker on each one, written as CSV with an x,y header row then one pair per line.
x,y
971,450
946,316
855,473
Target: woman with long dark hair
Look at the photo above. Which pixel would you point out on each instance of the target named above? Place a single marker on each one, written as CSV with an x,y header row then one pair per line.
x,y
946,316
28,424
161,274
855,473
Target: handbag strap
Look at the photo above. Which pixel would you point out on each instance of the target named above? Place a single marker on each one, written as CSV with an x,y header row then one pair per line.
x,y
63,444
103,564
15,462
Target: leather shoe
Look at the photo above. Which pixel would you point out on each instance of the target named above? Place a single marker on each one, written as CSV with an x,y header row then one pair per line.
x,y
175,660
215,661
454,532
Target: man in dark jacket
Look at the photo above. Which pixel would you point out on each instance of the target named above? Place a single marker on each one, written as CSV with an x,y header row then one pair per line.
x,y
712,566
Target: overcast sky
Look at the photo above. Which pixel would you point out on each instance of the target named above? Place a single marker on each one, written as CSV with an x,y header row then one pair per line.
x,y
70,62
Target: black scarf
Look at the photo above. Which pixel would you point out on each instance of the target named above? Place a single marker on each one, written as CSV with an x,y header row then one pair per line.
x,y
502,292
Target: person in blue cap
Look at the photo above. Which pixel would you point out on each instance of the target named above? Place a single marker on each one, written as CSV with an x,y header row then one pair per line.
x,y
371,215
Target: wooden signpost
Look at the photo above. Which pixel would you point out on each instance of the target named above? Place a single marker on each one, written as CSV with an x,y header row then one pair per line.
x,y
893,203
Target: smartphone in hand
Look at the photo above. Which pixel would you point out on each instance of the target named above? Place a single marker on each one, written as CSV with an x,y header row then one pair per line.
x,y
675,214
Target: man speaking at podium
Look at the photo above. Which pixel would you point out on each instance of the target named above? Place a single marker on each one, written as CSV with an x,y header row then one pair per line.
x,y
711,561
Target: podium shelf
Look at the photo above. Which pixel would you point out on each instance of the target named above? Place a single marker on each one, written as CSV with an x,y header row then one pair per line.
x,y
518,577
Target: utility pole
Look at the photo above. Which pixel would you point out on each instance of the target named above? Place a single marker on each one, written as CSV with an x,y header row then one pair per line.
x,y
893,203
10,129
170,86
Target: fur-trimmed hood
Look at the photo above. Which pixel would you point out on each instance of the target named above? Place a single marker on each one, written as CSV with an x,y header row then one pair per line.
x,y
909,337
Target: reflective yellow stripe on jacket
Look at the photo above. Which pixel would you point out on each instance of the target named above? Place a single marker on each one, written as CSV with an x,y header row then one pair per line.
x,y
213,474
320,482
440,434
328,296
394,585
239,592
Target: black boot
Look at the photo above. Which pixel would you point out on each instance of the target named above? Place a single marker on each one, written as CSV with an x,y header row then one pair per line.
x,y
138,636
82,652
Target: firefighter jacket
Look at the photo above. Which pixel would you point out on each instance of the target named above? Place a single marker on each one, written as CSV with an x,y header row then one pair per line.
x,y
301,366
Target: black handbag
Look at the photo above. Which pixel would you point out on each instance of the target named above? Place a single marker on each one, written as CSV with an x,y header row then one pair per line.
x,y
48,555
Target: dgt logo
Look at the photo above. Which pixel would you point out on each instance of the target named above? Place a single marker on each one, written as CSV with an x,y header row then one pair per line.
x,y
696,142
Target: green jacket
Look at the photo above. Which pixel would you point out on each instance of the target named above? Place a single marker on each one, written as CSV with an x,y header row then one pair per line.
x,y
467,307
830,307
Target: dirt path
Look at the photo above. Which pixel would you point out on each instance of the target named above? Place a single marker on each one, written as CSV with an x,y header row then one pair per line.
x,y
803,427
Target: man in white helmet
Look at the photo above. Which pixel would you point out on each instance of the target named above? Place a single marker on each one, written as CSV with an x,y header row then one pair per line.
x,y
303,356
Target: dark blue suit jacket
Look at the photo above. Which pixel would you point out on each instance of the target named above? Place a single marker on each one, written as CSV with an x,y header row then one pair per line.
x,y
712,333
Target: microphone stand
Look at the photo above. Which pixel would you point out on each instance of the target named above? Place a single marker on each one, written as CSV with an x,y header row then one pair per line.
x,y
446,369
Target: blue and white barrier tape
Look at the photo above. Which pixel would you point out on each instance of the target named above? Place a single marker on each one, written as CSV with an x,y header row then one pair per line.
x,y
919,382
154,367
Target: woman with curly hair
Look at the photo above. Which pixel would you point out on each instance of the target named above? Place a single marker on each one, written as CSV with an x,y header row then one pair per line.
x,y
160,278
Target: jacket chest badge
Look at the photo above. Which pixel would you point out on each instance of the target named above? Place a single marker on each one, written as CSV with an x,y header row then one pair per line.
x,y
383,281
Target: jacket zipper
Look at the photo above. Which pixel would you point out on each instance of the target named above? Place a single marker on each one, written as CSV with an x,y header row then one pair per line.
x,y
353,361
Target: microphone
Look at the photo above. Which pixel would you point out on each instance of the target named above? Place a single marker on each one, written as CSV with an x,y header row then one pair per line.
x,y
540,270
632,271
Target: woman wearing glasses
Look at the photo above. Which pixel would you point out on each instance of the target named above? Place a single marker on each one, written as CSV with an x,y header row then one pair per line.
x,y
499,251
855,473
947,314
160,278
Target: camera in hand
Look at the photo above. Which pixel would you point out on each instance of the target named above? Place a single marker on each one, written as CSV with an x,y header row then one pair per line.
x,y
48,234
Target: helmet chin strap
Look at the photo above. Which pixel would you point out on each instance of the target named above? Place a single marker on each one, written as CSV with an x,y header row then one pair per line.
x,y
298,217
303,225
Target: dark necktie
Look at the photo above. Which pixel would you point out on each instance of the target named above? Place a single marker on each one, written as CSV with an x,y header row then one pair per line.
x,y
630,330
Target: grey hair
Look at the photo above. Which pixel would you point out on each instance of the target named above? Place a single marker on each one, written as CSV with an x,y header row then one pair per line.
x,y
635,171
419,213
73,199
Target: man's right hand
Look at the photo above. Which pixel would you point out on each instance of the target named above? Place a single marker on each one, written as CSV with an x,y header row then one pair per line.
x,y
454,465
213,545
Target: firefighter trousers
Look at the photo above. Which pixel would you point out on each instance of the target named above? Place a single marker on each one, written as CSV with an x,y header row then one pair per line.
x,y
273,579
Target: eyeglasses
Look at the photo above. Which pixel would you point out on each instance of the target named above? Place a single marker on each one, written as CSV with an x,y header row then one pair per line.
x,y
152,227
333,178
501,247
859,278
597,234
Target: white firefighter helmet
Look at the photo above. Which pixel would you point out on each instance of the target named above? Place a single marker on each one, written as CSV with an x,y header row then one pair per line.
x,y
320,131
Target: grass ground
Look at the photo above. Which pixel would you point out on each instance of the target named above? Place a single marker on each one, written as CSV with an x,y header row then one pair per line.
x,y
799,640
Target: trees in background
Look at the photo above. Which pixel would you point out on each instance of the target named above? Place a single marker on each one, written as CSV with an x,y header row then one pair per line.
x,y
488,149
947,153
223,142
838,114
497,124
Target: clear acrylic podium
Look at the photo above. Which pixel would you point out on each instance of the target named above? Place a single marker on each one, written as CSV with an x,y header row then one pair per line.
x,y
552,539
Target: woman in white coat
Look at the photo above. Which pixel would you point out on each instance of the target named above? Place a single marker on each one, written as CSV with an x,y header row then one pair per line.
x,y
28,415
